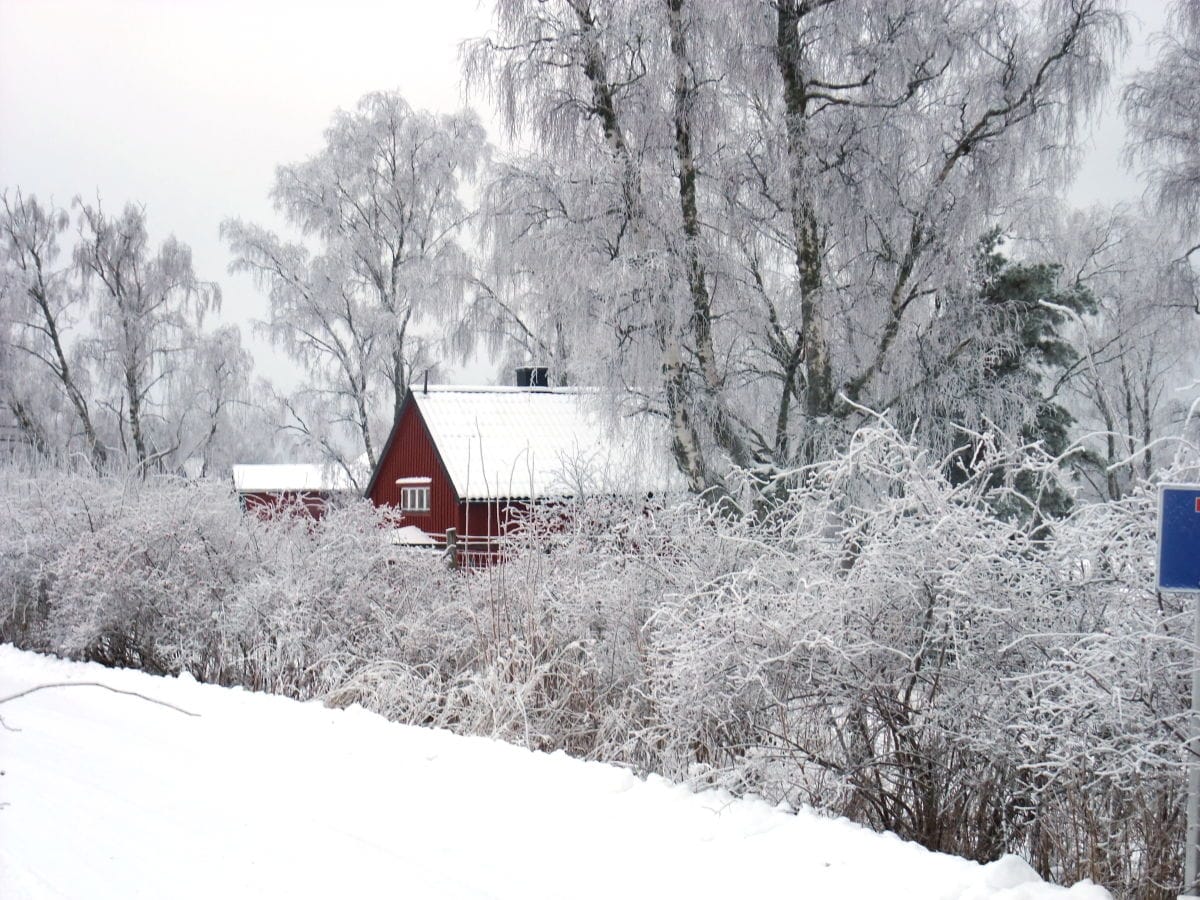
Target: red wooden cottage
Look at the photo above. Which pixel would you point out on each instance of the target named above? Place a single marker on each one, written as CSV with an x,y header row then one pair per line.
x,y
267,489
473,458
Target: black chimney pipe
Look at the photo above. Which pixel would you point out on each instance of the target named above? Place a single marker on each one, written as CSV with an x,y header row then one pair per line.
x,y
533,377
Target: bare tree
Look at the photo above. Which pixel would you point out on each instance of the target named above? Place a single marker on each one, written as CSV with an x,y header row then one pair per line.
x,y
147,308
1162,107
902,137
1128,389
216,414
593,207
41,304
750,209
382,202
103,344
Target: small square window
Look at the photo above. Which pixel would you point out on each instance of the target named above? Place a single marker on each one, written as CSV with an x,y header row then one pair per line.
x,y
414,499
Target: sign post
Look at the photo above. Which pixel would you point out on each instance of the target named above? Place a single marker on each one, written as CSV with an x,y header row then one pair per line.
x,y
1179,570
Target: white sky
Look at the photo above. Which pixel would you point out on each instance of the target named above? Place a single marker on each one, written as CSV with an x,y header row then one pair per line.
x,y
188,105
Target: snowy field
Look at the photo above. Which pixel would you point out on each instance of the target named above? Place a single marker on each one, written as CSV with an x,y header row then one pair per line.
x,y
108,795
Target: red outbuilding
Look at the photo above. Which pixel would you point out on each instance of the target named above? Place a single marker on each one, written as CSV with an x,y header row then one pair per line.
x,y
473,458
266,490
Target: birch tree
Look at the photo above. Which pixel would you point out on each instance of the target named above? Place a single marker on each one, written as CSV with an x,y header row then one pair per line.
x,y
381,212
1129,387
751,208
41,305
1162,107
215,411
104,349
147,307
586,223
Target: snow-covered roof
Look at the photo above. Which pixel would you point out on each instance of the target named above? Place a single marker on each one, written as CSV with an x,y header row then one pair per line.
x,y
519,442
298,477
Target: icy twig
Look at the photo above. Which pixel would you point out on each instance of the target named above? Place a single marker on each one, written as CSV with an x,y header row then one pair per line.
x,y
61,684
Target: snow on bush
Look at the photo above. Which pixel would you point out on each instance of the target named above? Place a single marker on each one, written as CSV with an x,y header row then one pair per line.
x,y
923,654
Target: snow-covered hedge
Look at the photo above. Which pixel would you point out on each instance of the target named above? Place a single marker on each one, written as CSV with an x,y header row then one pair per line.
x,y
919,653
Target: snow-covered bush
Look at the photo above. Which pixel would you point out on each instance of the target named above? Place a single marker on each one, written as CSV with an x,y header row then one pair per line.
x,y
564,624
169,575
920,653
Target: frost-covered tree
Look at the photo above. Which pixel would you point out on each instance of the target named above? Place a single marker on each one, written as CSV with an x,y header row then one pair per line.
x,y
41,306
105,354
148,306
994,359
898,141
1129,389
1162,107
584,232
217,413
381,211
743,213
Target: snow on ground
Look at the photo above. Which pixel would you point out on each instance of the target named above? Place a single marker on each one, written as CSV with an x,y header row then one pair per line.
x,y
108,795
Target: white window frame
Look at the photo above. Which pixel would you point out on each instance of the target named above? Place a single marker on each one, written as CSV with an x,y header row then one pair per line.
x,y
414,494
414,499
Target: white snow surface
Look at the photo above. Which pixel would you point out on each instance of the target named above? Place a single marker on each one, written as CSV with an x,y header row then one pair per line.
x,y
109,795
411,535
508,442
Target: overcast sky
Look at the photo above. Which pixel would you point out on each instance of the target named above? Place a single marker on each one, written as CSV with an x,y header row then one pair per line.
x,y
188,106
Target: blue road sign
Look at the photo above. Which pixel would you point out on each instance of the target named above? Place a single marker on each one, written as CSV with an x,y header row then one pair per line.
x,y
1179,537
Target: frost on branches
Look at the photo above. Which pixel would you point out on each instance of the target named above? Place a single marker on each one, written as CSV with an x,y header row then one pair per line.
x,y
105,360
885,642
382,204
748,218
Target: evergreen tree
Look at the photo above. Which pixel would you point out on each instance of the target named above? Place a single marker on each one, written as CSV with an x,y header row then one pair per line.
x,y
1015,355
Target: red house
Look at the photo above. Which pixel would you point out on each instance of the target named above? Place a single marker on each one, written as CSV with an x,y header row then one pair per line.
x,y
267,489
473,458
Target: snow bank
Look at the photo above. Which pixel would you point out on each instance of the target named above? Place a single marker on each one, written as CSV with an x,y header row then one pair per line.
x,y
108,795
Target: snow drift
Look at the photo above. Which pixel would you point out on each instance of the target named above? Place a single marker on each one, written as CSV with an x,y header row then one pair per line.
x,y
235,794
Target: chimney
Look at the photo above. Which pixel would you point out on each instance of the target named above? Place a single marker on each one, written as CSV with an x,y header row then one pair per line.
x,y
536,377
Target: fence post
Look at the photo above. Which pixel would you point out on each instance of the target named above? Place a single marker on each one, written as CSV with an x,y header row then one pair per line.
x,y
452,547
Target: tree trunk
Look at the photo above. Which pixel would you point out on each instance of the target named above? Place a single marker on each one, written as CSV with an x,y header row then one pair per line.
x,y
62,369
724,429
818,389
686,444
133,392
29,427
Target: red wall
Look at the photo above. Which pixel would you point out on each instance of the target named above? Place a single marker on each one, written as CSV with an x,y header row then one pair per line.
x,y
410,454
266,504
481,520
